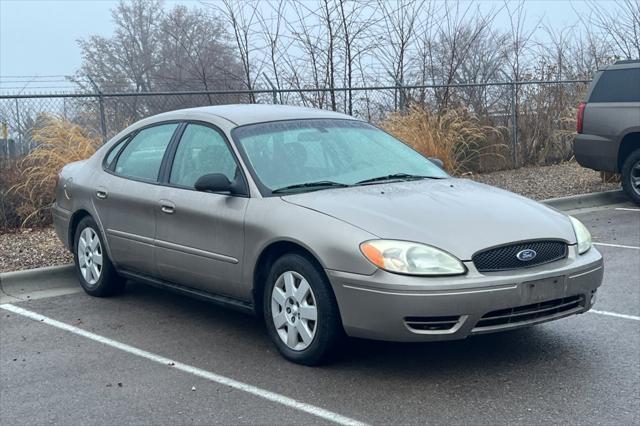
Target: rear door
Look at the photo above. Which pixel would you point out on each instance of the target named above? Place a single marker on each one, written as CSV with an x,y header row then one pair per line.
x,y
126,197
200,235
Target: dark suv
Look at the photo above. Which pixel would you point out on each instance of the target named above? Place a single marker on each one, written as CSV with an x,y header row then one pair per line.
x,y
608,125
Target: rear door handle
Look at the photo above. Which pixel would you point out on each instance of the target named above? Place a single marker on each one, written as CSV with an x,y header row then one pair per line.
x,y
101,194
167,207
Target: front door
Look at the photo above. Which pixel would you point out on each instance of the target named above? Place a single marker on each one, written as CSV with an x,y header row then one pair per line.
x,y
200,235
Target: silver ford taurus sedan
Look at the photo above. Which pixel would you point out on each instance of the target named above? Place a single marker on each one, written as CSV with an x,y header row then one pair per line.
x,y
322,224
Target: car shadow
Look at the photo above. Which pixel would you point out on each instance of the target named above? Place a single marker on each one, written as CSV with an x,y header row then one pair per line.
x,y
499,352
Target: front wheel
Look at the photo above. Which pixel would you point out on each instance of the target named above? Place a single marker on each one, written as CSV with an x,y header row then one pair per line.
x,y
94,269
631,176
300,311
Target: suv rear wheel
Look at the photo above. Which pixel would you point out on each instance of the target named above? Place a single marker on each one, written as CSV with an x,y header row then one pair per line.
x,y
631,176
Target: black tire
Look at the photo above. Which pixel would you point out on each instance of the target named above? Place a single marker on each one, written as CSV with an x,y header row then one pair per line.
x,y
631,172
327,328
108,282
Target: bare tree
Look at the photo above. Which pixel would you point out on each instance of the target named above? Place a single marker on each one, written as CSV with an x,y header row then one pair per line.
x,y
399,19
129,58
196,53
155,50
355,19
242,16
272,28
458,33
619,25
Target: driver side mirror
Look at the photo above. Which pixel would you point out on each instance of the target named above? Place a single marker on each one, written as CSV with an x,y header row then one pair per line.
x,y
217,182
438,162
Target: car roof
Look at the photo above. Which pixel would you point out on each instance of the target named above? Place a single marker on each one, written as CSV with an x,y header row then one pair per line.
x,y
241,114
624,64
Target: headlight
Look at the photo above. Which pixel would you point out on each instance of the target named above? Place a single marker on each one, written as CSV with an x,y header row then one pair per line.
x,y
582,235
405,257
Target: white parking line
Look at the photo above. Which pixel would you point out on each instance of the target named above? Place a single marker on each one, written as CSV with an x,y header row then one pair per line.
x,y
254,390
616,245
614,314
626,209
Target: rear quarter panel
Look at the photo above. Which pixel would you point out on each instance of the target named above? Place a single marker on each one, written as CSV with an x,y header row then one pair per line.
x,y
74,193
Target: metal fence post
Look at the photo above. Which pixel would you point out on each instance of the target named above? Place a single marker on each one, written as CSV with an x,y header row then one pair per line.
x,y
19,130
274,90
514,124
103,121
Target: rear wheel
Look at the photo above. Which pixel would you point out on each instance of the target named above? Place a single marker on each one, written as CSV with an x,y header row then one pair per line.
x,y
631,176
94,269
300,311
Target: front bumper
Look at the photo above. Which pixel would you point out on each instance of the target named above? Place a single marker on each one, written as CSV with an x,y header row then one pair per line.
x,y
385,306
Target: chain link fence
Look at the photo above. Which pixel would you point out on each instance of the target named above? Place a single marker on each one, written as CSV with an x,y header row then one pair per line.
x,y
537,116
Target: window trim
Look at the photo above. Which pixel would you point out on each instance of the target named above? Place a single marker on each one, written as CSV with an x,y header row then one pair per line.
x,y
115,146
170,155
131,136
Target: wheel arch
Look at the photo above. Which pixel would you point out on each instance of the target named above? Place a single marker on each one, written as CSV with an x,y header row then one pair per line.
x,y
74,220
270,254
629,143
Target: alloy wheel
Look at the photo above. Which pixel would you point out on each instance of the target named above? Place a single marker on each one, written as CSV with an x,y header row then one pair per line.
x,y
635,177
90,256
294,310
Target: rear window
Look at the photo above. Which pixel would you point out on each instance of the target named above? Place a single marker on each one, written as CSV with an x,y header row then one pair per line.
x,y
617,86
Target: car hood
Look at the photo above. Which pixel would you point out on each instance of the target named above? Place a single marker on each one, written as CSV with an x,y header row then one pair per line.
x,y
456,215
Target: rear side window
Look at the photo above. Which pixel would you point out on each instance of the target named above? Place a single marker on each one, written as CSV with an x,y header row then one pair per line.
x,y
108,162
141,158
617,86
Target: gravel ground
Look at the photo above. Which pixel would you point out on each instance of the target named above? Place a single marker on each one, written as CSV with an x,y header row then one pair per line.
x,y
33,248
541,183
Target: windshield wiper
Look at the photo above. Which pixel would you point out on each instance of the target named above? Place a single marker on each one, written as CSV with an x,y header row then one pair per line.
x,y
395,176
322,184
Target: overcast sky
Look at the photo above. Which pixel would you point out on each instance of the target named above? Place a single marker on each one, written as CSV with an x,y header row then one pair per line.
x,y
39,37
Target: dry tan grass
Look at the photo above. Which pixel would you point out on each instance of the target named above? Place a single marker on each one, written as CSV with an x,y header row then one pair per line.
x,y
456,136
59,142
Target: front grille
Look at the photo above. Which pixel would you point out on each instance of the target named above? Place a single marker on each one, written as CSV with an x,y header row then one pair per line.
x,y
527,313
431,324
505,258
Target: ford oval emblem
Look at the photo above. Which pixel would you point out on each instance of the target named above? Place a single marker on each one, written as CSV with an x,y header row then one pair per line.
x,y
526,255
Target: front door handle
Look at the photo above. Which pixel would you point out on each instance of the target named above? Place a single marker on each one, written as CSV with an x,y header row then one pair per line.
x,y
101,194
167,207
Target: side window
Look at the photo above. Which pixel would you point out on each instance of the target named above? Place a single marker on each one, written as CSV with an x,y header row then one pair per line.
x,y
617,86
201,151
114,152
141,158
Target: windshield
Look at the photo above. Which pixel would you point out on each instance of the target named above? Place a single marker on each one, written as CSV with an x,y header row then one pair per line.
x,y
327,153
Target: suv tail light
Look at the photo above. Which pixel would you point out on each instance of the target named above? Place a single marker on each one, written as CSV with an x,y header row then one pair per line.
x,y
580,118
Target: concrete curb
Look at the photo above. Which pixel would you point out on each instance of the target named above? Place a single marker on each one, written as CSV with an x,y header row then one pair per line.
x,y
24,285
48,271
595,199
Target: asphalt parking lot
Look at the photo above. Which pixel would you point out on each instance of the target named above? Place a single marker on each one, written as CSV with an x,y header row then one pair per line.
x,y
150,357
